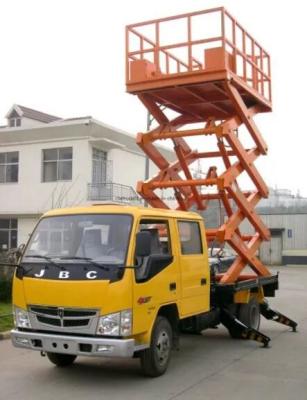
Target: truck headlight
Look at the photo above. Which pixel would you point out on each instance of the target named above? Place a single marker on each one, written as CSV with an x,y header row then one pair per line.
x,y
116,324
21,318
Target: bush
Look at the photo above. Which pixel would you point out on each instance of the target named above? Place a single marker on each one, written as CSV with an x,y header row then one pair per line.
x,y
6,277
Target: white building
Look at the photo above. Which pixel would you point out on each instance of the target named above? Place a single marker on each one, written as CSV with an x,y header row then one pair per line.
x,y
49,162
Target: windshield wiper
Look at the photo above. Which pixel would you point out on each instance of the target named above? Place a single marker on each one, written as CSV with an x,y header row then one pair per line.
x,y
27,271
90,260
49,259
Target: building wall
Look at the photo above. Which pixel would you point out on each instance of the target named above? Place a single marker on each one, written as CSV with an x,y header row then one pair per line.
x,y
128,167
31,197
292,228
30,194
29,123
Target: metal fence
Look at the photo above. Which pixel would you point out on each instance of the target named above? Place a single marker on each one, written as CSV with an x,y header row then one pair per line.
x,y
112,192
6,315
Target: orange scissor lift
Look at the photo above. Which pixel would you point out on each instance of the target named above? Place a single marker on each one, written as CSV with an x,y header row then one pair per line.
x,y
209,72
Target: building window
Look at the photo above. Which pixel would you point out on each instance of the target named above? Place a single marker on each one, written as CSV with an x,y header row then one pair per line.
x,y
14,122
190,238
9,167
8,233
57,164
99,162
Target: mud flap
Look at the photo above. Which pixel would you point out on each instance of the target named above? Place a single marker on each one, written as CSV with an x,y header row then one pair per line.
x,y
242,331
276,316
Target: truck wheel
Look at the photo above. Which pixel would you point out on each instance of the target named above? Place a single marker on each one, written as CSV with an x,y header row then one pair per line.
x,y
155,359
61,360
249,314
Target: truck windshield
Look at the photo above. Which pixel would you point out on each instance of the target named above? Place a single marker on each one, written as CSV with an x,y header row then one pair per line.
x,y
100,237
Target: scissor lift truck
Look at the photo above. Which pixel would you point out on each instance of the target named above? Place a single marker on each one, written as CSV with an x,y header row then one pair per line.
x,y
120,281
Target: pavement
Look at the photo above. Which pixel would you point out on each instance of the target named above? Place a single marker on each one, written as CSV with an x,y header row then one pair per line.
x,y
211,366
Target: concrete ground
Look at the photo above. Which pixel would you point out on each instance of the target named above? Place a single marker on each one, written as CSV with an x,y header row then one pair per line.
x,y
211,366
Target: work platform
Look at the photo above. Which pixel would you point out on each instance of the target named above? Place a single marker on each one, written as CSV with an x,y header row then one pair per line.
x,y
188,76
205,69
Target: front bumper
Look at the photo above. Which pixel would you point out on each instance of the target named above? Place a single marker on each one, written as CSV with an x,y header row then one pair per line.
x,y
77,345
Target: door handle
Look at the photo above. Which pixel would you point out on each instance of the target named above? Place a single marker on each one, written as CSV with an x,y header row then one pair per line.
x,y
172,286
203,281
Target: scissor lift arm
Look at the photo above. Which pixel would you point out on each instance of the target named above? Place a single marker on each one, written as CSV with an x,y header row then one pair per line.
x,y
215,95
220,83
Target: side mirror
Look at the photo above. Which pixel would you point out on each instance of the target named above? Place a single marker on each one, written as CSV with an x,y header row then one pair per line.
x,y
142,244
13,255
19,251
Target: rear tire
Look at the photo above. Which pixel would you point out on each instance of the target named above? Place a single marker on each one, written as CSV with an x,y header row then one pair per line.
x,y
155,359
61,360
249,314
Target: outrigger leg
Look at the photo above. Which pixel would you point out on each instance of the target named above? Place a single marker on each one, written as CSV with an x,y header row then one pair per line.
x,y
276,316
242,331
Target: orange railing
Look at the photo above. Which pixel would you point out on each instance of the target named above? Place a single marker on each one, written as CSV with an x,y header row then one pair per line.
x,y
177,44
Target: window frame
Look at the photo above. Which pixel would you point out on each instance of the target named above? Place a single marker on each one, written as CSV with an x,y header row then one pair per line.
x,y
120,276
103,165
131,216
14,122
201,253
57,161
168,258
10,229
157,221
6,164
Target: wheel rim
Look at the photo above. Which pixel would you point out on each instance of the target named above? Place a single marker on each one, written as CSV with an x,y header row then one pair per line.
x,y
163,347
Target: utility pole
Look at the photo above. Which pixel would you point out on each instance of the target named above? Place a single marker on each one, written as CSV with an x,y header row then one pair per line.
x,y
150,119
148,125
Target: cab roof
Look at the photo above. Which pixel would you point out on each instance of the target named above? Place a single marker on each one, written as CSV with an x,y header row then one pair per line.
x,y
112,208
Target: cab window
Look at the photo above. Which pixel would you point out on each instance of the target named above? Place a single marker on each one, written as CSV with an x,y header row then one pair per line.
x,y
159,234
160,256
190,238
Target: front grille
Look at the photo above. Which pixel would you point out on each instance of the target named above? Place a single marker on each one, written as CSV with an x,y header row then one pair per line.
x,y
63,317
78,322
48,321
78,313
45,310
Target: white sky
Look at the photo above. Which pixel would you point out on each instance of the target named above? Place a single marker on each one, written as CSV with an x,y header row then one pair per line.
x,y
66,57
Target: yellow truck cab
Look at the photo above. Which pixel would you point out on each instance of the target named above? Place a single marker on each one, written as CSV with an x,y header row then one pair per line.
x,y
122,281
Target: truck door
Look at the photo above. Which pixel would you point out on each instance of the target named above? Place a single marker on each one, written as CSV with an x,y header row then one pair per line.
x,y
195,273
162,285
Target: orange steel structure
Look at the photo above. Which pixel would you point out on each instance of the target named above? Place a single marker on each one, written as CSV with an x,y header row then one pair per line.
x,y
208,70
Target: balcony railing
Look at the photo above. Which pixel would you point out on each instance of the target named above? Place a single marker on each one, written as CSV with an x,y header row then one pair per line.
x,y
112,192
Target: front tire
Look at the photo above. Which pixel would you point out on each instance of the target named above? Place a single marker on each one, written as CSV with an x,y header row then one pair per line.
x,y
155,359
61,360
